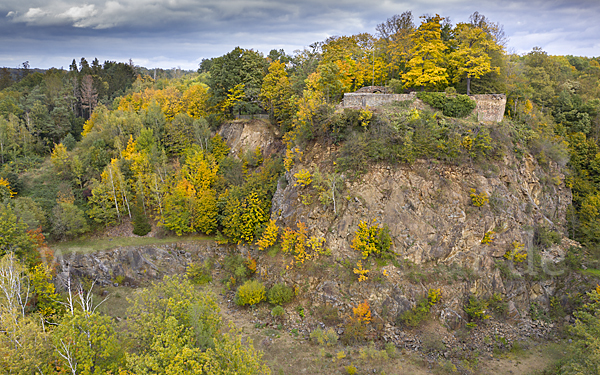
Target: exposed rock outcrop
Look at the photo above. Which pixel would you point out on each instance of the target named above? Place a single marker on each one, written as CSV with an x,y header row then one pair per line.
x,y
432,221
134,265
242,136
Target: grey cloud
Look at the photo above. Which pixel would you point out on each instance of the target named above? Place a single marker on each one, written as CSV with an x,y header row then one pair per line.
x,y
181,32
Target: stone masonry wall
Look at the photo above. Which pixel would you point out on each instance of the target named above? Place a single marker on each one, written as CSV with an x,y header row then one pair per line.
x,y
356,99
490,107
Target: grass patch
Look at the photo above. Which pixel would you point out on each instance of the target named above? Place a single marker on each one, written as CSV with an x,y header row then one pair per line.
x,y
90,245
591,272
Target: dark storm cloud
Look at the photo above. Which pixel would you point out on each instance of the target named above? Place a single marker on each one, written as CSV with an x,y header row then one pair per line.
x,y
169,33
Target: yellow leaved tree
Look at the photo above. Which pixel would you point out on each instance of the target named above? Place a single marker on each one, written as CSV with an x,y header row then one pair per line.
x,y
426,64
471,58
276,94
194,101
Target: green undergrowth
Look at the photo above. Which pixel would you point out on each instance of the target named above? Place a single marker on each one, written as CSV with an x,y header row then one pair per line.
x,y
591,272
90,245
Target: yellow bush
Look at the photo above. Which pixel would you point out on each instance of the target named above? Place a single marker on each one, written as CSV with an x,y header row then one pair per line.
x,y
467,143
5,191
362,273
300,246
362,312
478,200
290,157
488,237
288,240
316,244
269,236
434,296
370,239
303,178
517,252
250,293
365,117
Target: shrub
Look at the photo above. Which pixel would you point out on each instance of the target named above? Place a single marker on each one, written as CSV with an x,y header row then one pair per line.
x,y
237,267
361,272
329,314
327,338
459,106
250,293
365,117
537,312
396,85
455,106
362,312
277,312
417,315
488,237
478,200
199,273
280,294
370,239
432,342
354,331
390,348
353,156
370,353
434,296
269,236
498,305
300,245
544,237
475,309
516,252
303,178
450,90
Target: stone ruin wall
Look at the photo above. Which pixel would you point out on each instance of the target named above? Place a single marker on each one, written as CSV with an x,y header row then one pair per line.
x,y
355,99
490,107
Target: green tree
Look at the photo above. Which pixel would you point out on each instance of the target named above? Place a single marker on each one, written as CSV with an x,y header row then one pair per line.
x,y
177,330
29,211
172,324
585,351
68,220
8,134
25,346
13,234
141,226
240,66
86,343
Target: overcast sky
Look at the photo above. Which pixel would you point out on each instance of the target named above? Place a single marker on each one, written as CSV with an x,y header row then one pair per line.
x,y
179,33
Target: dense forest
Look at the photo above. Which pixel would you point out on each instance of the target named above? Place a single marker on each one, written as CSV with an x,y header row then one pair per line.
x,y
99,144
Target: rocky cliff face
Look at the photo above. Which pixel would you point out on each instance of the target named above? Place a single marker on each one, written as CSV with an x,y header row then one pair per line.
x,y
135,265
433,223
242,136
436,230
